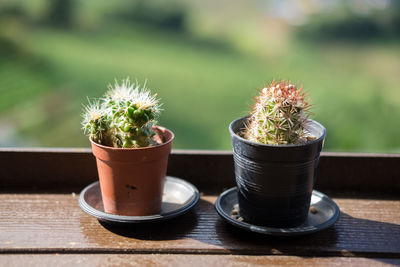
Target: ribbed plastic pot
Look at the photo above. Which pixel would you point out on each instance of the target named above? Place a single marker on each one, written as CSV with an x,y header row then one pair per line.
x,y
132,179
275,182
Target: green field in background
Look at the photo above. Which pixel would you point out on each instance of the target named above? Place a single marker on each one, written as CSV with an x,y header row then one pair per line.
x,y
203,85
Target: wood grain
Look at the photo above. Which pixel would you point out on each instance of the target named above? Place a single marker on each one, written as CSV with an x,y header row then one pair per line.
x,y
62,170
186,260
54,223
41,222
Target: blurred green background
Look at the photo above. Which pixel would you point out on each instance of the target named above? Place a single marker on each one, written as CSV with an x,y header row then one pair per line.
x,y
205,59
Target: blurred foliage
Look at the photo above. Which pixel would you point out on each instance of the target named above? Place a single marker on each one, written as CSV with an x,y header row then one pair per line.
x,y
161,14
205,60
348,26
60,13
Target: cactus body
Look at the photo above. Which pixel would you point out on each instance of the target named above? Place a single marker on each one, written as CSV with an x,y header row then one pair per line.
x,y
123,117
279,115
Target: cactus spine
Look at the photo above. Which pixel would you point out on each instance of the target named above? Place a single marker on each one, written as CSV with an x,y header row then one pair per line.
x,y
123,117
279,115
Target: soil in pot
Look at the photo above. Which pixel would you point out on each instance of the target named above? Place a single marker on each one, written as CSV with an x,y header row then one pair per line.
x,y
132,179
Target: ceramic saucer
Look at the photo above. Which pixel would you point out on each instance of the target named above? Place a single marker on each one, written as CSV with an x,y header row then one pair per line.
x,y
325,213
178,198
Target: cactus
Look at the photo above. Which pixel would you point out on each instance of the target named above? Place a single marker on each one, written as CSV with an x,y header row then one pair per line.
x,y
123,117
95,122
279,115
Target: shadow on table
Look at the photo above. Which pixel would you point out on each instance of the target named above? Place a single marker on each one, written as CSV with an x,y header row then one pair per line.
x,y
349,237
171,229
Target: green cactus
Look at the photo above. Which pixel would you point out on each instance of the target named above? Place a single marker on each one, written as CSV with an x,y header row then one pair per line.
x,y
95,122
279,115
123,117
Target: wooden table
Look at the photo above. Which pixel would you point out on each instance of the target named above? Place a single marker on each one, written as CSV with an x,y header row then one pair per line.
x,y
42,224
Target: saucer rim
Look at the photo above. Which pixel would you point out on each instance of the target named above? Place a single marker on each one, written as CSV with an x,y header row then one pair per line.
x,y
277,231
124,219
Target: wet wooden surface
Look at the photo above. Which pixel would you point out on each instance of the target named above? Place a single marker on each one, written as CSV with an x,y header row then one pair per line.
x,y
39,225
188,260
54,223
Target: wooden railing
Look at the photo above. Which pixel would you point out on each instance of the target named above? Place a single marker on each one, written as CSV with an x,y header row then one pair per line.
x,y
41,222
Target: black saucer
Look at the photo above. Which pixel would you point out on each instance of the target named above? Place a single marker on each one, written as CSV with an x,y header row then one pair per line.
x,y
325,213
178,198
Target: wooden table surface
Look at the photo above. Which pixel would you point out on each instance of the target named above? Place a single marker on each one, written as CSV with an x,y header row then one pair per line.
x,y
43,225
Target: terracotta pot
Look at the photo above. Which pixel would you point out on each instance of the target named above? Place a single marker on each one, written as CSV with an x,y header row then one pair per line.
x,y
132,179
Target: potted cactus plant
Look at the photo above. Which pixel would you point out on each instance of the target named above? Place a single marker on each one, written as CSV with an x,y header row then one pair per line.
x,y
276,153
131,151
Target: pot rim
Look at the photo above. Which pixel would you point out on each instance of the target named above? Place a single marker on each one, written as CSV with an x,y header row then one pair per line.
x,y
137,148
234,134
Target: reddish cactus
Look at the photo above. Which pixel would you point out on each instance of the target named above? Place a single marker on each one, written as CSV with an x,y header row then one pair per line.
x,y
279,115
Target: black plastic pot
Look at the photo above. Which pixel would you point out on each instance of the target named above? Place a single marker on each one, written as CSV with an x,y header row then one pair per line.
x,y
275,183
